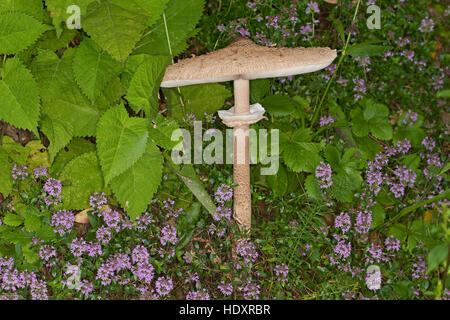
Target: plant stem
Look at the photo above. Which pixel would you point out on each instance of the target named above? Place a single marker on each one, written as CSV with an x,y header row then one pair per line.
x,y
343,54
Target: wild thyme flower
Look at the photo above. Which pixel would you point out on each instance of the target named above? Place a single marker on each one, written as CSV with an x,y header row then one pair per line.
x,y
93,249
198,295
426,25
281,271
164,285
246,250
392,244
53,187
103,235
98,200
143,221
222,212
112,219
359,88
363,221
312,7
375,254
326,120
192,277
410,118
428,143
403,146
169,235
63,221
223,194
225,288
251,291
78,247
140,254
19,172
86,287
40,172
170,210
144,272
343,249
46,252
323,175
343,222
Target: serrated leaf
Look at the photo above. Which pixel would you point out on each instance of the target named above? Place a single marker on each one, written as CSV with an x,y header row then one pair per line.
x,y
33,8
38,155
58,10
378,215
29,254
19,96
366,49
300,160
58,133
197,99
121,141
61,97
136,186
144,86
192,181
333,157
6,180
76,147
436,256
81,177
278,105
16,152
381,129
342,188
312,188
169,34
12,220
18,31
278,182
116,25
160,131
259,89
32,223
93,68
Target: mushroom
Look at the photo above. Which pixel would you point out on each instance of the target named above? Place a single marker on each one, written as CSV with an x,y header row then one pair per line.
x,y
243,60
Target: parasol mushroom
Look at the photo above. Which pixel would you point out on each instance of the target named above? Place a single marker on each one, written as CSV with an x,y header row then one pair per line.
x,y
243,60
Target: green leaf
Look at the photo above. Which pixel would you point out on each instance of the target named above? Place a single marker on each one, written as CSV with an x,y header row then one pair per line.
x,y
16,152
61,97
332,156
342,187
32,223
33,8
378,216
19,96
197,99
58,10
58,133
168,35
144,86
436,256
6,180
18,31
190,178
160,131
76,147
12,220
443,94
367,49
360,125
259,89
278,183
116,25
29,254
81,177
381,129
278,105
121,141
135,187
93,68
299,154
312,188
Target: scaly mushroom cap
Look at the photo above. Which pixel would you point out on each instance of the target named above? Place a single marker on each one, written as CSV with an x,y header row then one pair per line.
x,y
243,59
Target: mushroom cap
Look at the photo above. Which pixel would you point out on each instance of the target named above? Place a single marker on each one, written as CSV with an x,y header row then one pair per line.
x,y
243,59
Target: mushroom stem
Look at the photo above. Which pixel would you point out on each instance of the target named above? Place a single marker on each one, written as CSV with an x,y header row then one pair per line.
x,y
242,195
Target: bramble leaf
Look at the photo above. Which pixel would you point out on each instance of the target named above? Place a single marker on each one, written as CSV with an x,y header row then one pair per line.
x,y
121,141
135,187
19,96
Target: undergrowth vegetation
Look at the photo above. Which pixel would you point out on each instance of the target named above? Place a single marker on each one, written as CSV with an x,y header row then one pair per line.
x,y
93,207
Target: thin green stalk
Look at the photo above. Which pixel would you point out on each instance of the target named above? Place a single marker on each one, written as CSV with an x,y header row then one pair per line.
x,y
344,53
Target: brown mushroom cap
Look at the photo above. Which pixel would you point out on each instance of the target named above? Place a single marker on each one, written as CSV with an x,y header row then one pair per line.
x,y
243,59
